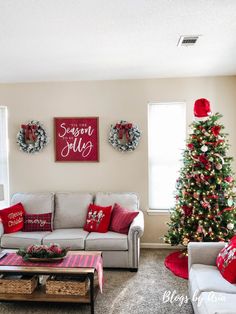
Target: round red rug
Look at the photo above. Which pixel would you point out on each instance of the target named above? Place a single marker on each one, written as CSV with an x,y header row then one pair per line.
x,y
178,264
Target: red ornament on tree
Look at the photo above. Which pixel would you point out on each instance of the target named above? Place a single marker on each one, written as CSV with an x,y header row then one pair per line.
x,y
187,210
190,146
202,108
229,179
215,130
203,159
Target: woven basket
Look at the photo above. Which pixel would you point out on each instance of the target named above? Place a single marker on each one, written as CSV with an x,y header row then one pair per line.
x,y
67,285
18,284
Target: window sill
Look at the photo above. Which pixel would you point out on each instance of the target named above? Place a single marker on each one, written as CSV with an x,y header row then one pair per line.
x,y
154,212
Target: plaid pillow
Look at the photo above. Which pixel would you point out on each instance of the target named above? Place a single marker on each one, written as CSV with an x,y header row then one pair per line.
x,y
38,222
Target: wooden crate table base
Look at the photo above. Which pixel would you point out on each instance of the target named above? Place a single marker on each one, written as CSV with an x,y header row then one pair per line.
x,y
80,264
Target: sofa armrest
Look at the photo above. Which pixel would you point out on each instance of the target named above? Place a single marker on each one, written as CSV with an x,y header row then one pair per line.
x,y
137,226
203,252
135,232
1,229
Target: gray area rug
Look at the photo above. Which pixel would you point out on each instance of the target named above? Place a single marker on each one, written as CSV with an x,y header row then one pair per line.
x,y
153,289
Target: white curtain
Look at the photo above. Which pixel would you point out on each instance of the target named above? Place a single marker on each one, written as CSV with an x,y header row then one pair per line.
x,y
4,174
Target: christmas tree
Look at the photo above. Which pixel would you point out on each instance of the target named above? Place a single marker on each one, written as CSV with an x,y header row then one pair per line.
x,y
205,194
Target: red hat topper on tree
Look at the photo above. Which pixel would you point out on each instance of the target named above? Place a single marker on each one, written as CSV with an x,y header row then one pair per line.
x,y
202,108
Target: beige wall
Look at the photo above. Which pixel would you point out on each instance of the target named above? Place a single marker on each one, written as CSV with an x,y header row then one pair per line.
x,y
110,101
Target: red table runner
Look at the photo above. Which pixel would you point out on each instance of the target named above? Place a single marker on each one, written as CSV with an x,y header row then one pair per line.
x,y
70,261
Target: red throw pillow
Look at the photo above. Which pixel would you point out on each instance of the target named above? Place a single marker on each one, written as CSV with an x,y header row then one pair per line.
x,y
226,262
12,218
233,239
37,222
98,218
121,219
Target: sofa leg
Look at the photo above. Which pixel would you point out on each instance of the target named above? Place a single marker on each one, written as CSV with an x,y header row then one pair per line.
x,y
133,270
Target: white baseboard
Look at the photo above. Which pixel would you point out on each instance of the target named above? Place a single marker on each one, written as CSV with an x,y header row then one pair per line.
x,y
158,246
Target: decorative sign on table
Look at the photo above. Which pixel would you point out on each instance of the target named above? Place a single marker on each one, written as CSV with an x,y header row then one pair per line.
x,y
76,139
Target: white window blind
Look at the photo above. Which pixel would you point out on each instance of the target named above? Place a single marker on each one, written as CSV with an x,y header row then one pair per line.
x,y
4,176
166,139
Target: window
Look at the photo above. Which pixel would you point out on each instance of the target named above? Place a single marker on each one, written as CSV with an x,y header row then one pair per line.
x,y
4,177
166,139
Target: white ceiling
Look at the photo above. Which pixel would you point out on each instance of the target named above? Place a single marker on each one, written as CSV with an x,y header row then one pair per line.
x,y
51,40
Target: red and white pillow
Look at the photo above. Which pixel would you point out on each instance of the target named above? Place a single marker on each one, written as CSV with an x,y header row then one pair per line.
x,y
226,261
98,218
38,222
13,218
121,219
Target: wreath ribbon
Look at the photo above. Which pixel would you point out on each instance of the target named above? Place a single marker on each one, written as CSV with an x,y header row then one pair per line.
x,y
127,129
124,129
30,131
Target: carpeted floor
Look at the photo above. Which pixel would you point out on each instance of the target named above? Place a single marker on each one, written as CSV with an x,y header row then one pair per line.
x,y
152,290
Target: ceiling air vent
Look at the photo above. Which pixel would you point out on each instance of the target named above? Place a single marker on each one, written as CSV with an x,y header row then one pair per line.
x,y
186,41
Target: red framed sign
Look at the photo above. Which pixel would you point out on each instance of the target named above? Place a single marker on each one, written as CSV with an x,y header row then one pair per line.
x,y
76,139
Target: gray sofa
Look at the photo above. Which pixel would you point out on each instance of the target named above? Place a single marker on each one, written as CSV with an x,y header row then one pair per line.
x,y
69,211
209,292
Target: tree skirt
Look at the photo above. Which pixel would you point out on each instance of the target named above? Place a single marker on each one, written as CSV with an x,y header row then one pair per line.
x,y
178,264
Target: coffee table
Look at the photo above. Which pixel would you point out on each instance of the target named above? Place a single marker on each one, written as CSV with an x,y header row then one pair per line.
x,y
39,293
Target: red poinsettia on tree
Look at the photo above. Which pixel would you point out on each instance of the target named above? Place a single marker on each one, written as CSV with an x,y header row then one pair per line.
x,y
205,196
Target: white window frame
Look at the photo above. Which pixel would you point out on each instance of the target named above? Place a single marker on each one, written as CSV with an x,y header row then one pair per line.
x,y
4,155
161,211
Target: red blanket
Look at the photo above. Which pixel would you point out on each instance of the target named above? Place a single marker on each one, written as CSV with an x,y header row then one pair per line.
x,y
71,261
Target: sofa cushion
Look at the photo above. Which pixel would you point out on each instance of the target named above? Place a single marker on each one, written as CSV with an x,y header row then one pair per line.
x,y
112,241
98,218
12,218
71,209
22,239
216,302
208,278
67,238
35,203
127,200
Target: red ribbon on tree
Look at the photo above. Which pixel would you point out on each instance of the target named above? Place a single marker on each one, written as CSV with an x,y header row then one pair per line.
x,y
123,128
30,132
227,209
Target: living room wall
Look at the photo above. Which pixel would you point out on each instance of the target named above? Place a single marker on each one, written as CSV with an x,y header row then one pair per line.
x,y
111,101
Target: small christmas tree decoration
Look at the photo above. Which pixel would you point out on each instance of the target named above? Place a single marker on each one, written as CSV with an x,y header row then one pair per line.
x,y
205,208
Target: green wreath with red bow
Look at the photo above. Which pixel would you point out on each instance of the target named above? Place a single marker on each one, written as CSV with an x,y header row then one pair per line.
x,y
32,137
124,136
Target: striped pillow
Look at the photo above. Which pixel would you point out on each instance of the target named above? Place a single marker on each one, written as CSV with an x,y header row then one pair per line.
x,y
121,219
